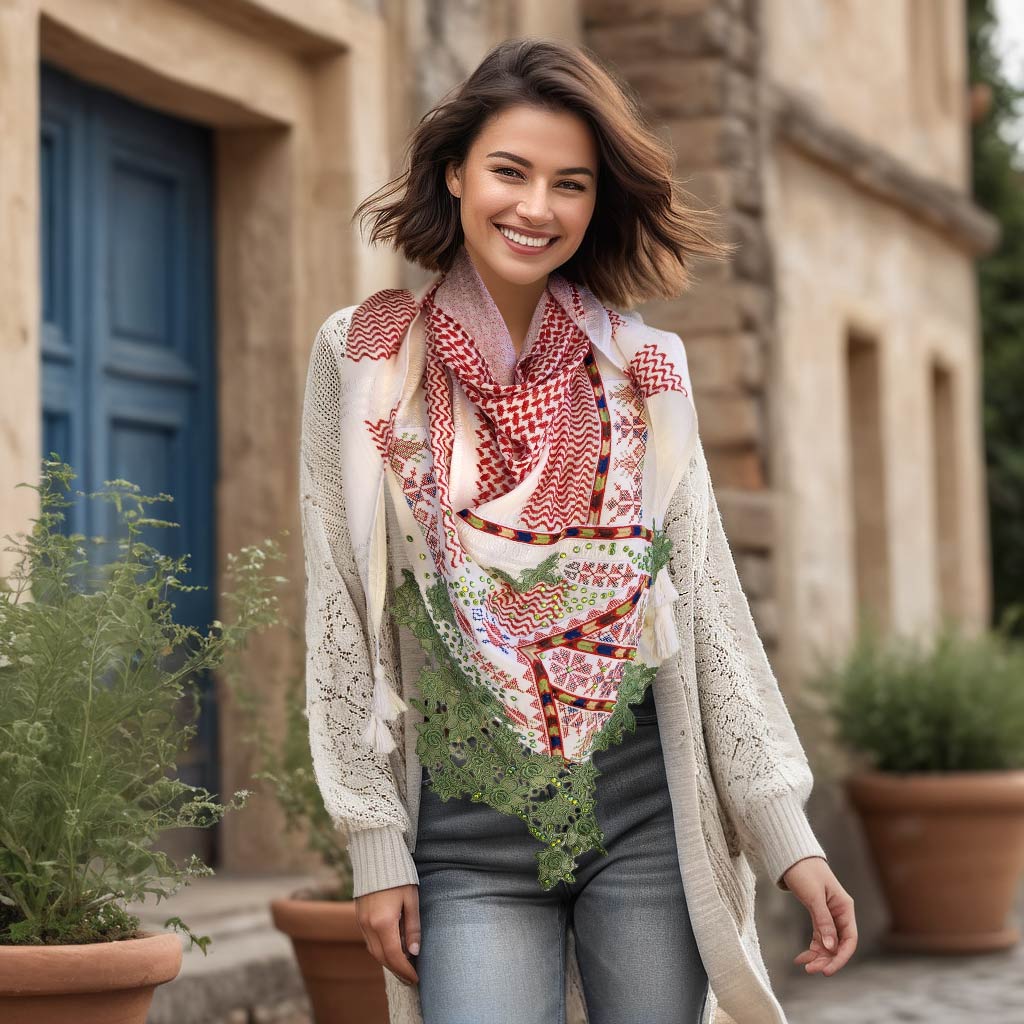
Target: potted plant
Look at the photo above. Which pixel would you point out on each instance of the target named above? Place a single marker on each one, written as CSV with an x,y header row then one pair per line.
x,y
938,727
93,674
343,981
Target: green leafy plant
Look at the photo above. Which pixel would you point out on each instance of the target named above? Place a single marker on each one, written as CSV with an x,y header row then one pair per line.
x,y
286,763
94,676
953,703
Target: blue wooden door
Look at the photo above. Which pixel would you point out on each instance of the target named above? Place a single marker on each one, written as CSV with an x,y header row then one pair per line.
x,y
127,334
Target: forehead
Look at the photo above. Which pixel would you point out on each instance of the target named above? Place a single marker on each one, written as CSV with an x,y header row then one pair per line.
x,y
546,138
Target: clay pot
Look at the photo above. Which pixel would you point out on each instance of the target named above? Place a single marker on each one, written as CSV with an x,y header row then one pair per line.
x,y
344,983
949,851
95,983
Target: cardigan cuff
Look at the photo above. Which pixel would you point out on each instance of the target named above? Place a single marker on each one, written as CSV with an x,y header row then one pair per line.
x,y
380,860
783,836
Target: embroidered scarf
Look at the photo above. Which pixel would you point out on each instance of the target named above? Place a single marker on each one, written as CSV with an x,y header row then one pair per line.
x,y
530,495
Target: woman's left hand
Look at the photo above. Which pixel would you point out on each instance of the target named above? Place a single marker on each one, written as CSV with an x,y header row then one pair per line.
x,y
834,926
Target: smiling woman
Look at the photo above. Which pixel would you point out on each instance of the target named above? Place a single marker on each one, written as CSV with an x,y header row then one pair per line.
x,y
514,555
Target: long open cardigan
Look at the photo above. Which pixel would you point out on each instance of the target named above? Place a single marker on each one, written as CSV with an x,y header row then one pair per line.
x,y
738,776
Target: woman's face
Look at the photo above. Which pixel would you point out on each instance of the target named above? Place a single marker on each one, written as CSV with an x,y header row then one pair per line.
x,y
531,171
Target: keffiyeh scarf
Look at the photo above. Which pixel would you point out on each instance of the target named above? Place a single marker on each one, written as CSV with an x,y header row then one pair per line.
x,y
530,495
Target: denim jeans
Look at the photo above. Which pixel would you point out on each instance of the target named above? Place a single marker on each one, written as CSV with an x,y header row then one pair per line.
x,y
493,941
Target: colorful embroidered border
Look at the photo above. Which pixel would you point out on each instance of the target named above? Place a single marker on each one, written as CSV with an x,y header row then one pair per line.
x,y
536,537
576,639
604,458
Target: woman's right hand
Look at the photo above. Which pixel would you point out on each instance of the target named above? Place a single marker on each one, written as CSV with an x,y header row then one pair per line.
x,y
390,922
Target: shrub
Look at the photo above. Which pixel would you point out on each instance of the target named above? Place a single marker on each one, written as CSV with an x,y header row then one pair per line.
x,y
955,703
93,673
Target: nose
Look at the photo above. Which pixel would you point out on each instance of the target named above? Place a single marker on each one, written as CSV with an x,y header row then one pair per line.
x,y
535,206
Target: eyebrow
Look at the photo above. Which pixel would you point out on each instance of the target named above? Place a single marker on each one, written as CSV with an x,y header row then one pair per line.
x,y
526,163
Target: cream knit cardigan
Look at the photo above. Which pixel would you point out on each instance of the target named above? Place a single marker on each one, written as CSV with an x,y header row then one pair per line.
x,y
738,776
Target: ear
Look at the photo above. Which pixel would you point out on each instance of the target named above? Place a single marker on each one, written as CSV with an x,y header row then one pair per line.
x,y
452,178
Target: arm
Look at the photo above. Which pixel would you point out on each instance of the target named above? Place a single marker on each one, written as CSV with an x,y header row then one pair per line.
x,y
760,768
357,784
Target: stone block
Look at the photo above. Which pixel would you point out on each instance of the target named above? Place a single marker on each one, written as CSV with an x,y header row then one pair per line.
x,y
710,141
728,420
680,89
755,306
740,469
708,308
629,41
745,186
726,362
741,94
752,258
615,12
712,187
748,518
722,32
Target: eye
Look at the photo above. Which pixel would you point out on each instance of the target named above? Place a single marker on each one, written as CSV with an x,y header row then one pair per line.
x,y
575,185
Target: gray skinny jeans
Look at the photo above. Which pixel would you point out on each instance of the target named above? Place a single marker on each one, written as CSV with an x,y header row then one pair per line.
x,y
493,942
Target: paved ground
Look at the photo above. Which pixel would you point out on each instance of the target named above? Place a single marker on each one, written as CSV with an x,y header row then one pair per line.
x,y
980,989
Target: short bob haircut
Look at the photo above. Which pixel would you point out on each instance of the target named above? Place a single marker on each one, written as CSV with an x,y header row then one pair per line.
x,y
642,234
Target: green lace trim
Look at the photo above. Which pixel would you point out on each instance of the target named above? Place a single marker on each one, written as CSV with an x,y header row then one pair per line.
x,y
661,551
470,748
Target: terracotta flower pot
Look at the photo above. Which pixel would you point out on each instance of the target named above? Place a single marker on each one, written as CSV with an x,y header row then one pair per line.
x,y
344,983
95,983
949,850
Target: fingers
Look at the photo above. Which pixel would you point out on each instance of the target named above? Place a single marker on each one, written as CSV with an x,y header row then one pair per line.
x,y
847,922
395,959
824,926
381,917
818,958
411,920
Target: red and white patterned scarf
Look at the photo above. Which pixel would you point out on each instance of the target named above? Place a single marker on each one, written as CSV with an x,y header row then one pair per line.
x,y
532,488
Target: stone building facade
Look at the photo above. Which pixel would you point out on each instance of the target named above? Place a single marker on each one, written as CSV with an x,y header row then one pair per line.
x,y
835,358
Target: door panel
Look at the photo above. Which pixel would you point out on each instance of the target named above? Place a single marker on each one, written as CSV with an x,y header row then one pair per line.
x,y
128,361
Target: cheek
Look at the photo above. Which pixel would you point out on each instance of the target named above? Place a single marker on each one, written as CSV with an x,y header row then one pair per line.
x,y
489,196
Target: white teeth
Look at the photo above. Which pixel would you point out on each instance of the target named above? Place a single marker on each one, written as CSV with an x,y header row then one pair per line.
x,y
536,243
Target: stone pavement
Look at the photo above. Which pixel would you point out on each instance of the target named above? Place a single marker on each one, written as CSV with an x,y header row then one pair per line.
x,y
886,989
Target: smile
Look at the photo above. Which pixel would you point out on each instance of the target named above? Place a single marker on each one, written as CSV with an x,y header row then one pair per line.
x,y
524,243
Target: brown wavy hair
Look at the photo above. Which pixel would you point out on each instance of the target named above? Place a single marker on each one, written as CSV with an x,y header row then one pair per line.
x,y
642,235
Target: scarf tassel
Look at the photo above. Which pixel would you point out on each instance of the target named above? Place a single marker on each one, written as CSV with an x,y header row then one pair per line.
x,y
387,705
666,639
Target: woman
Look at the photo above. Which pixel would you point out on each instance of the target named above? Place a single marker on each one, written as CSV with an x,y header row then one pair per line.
x,y
508,520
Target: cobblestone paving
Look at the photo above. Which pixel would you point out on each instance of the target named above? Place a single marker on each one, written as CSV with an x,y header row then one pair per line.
x,y
978,989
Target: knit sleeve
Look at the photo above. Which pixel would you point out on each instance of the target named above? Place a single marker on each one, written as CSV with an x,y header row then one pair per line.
x,y
357,784
759,766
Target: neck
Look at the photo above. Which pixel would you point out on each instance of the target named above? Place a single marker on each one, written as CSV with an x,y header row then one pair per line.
x,y
516,302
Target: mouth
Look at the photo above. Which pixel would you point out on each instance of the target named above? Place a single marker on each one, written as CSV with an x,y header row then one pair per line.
x,y
536,243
